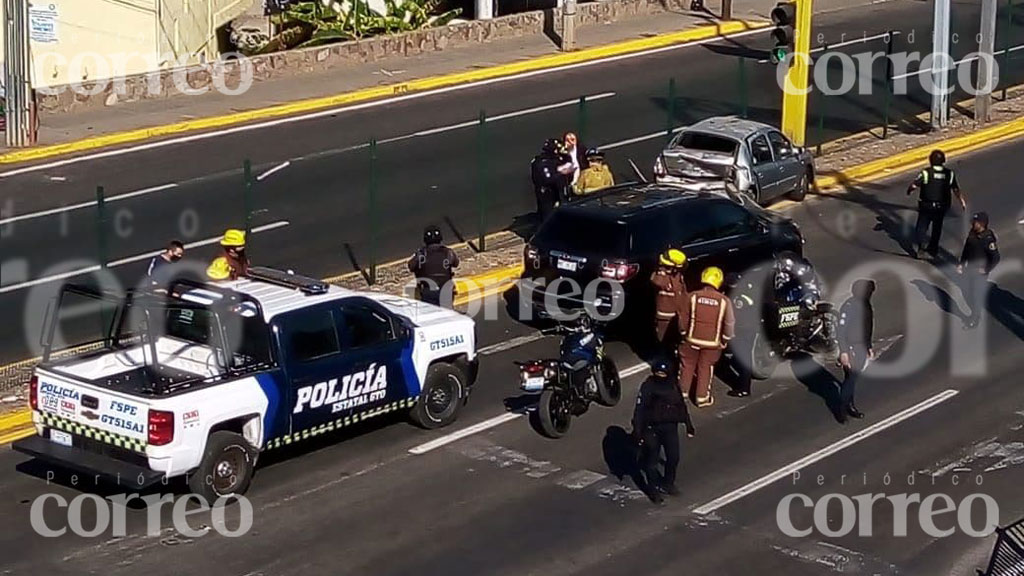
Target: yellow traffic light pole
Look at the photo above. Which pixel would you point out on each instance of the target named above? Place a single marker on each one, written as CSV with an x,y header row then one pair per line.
x,y
795,90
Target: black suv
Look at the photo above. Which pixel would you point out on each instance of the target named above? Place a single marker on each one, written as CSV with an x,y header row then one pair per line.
x,y
619,233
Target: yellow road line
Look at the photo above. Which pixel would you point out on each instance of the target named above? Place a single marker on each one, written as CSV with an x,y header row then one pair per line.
x,y
423,84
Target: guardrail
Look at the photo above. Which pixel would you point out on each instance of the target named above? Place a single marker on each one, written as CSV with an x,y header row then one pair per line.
x,y
1008,553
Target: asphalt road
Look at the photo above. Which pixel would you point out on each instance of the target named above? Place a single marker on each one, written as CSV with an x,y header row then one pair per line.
x,y
507,501
313,215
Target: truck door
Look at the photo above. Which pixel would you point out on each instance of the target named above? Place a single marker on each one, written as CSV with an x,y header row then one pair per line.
x,y
377,357
314,364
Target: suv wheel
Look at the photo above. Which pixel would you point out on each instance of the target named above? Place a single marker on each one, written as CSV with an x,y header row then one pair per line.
x,y
441,399
226,469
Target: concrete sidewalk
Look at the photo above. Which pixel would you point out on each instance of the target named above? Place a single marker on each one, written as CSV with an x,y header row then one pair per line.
x,y
71,127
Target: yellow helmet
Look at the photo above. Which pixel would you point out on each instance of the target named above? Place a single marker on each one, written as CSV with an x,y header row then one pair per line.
x,y
219,269
712,275
233,238
673,257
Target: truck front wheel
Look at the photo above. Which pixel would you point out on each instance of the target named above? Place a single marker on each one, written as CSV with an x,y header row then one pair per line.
x,y
226,469
442,396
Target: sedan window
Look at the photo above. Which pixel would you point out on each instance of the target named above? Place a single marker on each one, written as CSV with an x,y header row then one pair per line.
x,y
760,150
780,144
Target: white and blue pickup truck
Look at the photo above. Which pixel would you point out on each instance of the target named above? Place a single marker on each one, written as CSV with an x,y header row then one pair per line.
x,y
197,380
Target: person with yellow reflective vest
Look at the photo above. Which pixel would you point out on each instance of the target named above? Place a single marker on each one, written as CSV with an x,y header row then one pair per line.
x,y
596,175
234,263
710,328
937,185
671,301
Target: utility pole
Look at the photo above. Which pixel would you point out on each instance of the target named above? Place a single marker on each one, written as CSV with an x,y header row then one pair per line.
x,y
17,83
986,61
569,25
940,74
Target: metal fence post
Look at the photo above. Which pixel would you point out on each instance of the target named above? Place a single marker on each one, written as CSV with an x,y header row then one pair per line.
x,y
373,211
671,119
247,197
481,166
1007,45
888,83
101,227
743,85
824,100
581,119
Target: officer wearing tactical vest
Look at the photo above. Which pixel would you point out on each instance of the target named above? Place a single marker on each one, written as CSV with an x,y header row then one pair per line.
x,y
434,266
671,300
710,328
936,183
233,264
979,256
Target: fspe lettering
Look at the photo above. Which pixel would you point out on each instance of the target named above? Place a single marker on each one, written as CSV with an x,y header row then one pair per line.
x,y
447,342
123,408
354,390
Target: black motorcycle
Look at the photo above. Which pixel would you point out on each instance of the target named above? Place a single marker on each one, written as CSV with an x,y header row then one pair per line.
x,y
582,374
795,320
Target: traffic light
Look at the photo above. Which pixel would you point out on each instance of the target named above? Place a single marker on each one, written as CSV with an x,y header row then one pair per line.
x,y
784,34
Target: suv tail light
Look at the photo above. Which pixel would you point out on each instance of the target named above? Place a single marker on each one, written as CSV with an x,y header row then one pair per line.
x,y
161,427
620,271
33,393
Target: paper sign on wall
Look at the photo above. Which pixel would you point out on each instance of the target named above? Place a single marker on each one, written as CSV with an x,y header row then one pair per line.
x,y
42,23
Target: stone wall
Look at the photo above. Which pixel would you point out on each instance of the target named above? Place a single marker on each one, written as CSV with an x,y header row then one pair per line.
x,y
171,83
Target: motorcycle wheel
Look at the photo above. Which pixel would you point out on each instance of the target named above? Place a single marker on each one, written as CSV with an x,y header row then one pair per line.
x,y
764,358
609,385
554,411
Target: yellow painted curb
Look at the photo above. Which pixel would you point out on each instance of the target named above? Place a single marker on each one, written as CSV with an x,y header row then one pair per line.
x,y
482,280
14,436
917,157
293,108
15,420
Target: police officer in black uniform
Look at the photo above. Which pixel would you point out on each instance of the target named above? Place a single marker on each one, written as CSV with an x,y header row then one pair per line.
x,y
980,255
856,330
550,181
434,266
660,409
936,183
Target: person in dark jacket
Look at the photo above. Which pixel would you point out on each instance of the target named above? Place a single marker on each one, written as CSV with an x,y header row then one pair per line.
x,y
937,185
163,266
660,409
979,256
550,171
856,330
434,266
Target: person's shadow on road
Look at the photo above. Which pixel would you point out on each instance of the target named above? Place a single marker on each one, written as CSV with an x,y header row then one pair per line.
x,y
936,295
622,456
819,381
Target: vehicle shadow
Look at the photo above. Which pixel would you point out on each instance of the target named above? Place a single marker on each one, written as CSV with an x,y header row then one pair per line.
x,y
819,381
100,486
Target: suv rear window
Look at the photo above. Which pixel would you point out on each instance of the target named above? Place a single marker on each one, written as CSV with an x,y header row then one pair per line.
x,y
574,232
706,142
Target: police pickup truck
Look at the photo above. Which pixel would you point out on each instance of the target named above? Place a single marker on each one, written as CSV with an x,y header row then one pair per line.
x,y
197,380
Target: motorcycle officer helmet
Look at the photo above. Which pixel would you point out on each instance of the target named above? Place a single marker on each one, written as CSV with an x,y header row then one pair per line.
x,y
551,145
660,368
937,158
432,235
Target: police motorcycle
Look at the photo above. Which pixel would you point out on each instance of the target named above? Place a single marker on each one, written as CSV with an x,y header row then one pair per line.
x,y
794,317
567,385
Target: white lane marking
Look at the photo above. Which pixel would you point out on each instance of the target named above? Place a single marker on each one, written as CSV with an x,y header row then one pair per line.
x,y
459,435
825,452
510,344
580,479
365,105
496,421
955,64
89,204
123,261
277,168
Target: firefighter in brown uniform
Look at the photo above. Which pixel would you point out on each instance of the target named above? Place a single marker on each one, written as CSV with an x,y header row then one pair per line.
x,y
711,325
671,300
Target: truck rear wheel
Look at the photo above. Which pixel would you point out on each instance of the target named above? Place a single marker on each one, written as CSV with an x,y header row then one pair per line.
x,y
442,397
226,469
